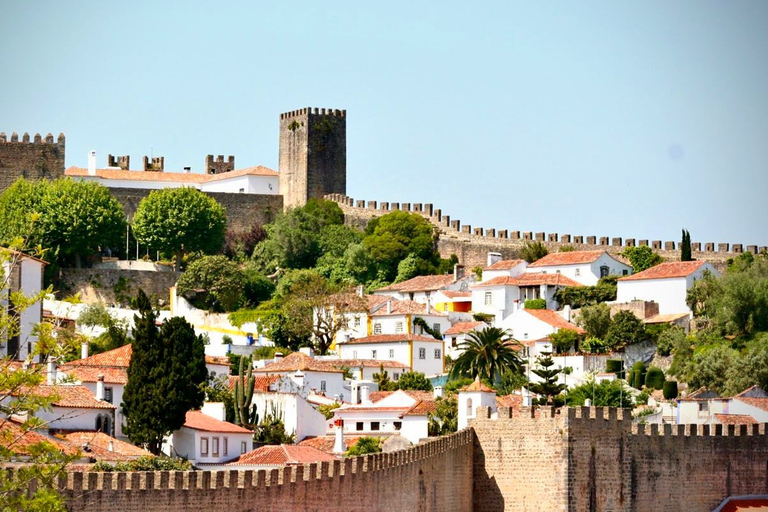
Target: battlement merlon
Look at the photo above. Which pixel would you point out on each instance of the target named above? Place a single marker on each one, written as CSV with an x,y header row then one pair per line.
x,y
313,111
37,139
123,162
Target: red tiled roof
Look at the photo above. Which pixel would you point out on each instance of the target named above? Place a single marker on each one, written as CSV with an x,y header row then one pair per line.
x,y
119,357
196,420
72,395
456,295
420,284
282,454
513,401
376,300
463,327
98,445
423,408
325,443
505,265
391,338
667,270
407,307
222,361
19,440
536,279
552,318
735,419
567,258
477,385
760,403
261,383
185,177
112,375
296,361
376,396
366,363
744,504
257,170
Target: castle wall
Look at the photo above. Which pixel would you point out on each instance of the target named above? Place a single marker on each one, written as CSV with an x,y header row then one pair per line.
x,y
472,245
115,286
243,210
35,159
435,476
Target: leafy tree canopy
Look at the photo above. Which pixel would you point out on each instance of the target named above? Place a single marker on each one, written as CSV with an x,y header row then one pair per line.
x,y
603,394
625,329
488,354
215,281
595,320
641,257
414,381
533,251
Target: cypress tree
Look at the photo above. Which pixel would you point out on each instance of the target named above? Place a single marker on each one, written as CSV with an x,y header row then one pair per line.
x,y
165,377
685,247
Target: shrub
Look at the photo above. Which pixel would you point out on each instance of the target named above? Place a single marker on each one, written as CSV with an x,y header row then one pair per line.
x,y
638,372
145,463
654,379
594,346
668,340
536,304
533,251
642,397
625,329
365,445
564,339
217,278
670,389
614,366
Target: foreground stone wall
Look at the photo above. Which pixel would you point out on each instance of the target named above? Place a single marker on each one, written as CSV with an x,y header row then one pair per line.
x,y
435,476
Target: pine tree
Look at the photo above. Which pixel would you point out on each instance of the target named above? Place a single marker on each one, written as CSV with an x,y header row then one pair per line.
x,y
685,247
548,388
165,378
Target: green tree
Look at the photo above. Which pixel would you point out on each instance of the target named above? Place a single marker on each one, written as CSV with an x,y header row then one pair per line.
x,y
685,247
510,382
594,346
625,329
116,334
595,320
582,296
641,257
669,339
548,388
414,381
166,377
21,206
564,339
257,287
602,394
271,429
327,409
407,268
750,368
180,220
382,379
445,418
654,378
709,368
215,282
533,251
487,354
364,446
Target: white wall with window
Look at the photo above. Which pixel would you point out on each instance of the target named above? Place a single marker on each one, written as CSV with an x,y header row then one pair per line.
x,y
299,416
589,273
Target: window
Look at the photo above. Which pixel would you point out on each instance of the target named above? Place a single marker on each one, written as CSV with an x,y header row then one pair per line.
x,y
242,190
557,271
215,446
470,411
703,407
488,298
436,328
354,354
203,446
243,447
398,425
226,445
359,426
437,353
422,353
108,395
391,353
322,385
396,376
578,272
625,272
398,327
357,321
604,271
373,354
377,328
453,342
375,425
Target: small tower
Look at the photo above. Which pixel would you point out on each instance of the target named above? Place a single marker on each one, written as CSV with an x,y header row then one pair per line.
x,y
471,397
313,154
219,165
33,158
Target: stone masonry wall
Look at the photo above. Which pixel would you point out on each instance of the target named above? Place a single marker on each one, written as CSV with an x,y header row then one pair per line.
x,y
35,159
113,286
472,245
435,476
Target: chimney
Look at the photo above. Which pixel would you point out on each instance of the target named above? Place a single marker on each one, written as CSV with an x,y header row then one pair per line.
x,y
111,446
364,395
389,307
187,169
278,356
438,391
307,351
360,290
51,377
426,309
92,163
567,313
100,387
338,444
215,410
84,350
493,257
458,272
355,398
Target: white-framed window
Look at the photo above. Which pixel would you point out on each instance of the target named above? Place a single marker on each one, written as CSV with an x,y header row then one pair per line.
x,y
226,446
488,298
359,426
377,328
422,353
398,327
391,353
322,385
375,425
578,272
437,353
354,354
243,447
357,321
436,328
373,354
215,446
470,410
203,446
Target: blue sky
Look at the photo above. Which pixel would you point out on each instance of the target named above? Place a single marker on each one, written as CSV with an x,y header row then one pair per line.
x,y
629,119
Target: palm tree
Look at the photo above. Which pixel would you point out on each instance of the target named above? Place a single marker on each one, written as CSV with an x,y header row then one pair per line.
x,y
487,354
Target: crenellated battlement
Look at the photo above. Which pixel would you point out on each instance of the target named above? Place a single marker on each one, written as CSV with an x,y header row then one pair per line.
x,y
219,165
508,242
155,164
314,112
37,139
123,162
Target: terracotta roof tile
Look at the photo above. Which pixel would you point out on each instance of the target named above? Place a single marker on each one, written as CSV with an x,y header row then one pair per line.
x,y
760,403
72,395
407,307
477,386
366,363
376,396
98,446
112,375
420,284
296,361
196,420
391,338
325,443
456,295
257,170
423,408
261,383
19,440
735,419
667,270
567,258
533,279
464,327
180,177
222,361
513,401
552,318
505,265
282,454
119,357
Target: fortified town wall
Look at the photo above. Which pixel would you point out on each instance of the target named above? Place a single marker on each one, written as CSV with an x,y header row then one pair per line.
x,y
37,158
472,245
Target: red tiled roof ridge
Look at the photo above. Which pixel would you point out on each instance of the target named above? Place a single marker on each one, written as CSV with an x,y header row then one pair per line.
x,y
667,270
197,420
420,283
552,318
530,279
567,258
391,338
187,177
119,358
463,327
298,361
505,265
406,307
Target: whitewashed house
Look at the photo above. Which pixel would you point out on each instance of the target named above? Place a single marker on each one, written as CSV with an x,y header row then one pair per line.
x,y
299,416
420,353
307,373
400,317
504,268
584,267
364,369
457,335
208,441
501,296
422,288
532,328
470,398
666,283
21,273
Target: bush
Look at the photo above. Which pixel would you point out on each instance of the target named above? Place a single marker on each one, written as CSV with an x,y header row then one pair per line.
x,y
536,304
564,339
670,389
638,371
145,463
625,329
219,279
595,320
614,366
594,346
669,339
642,397
580,296
654,379
533,251
365,445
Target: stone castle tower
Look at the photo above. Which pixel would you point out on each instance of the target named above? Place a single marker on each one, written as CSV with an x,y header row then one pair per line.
x,y
313,154
35,159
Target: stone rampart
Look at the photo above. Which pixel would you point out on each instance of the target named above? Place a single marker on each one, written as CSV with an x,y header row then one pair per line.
x,y
115,286
31,157
435,476
472,245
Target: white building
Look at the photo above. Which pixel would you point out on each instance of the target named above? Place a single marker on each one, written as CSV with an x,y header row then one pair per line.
x,y
457,335
364,369
420,353
397,413
501,296
217,366
584,267
21,273
75,408
706,407
399,317
422,288
470,398
504,268
299,416
666,283
207,441
307,373
536,325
